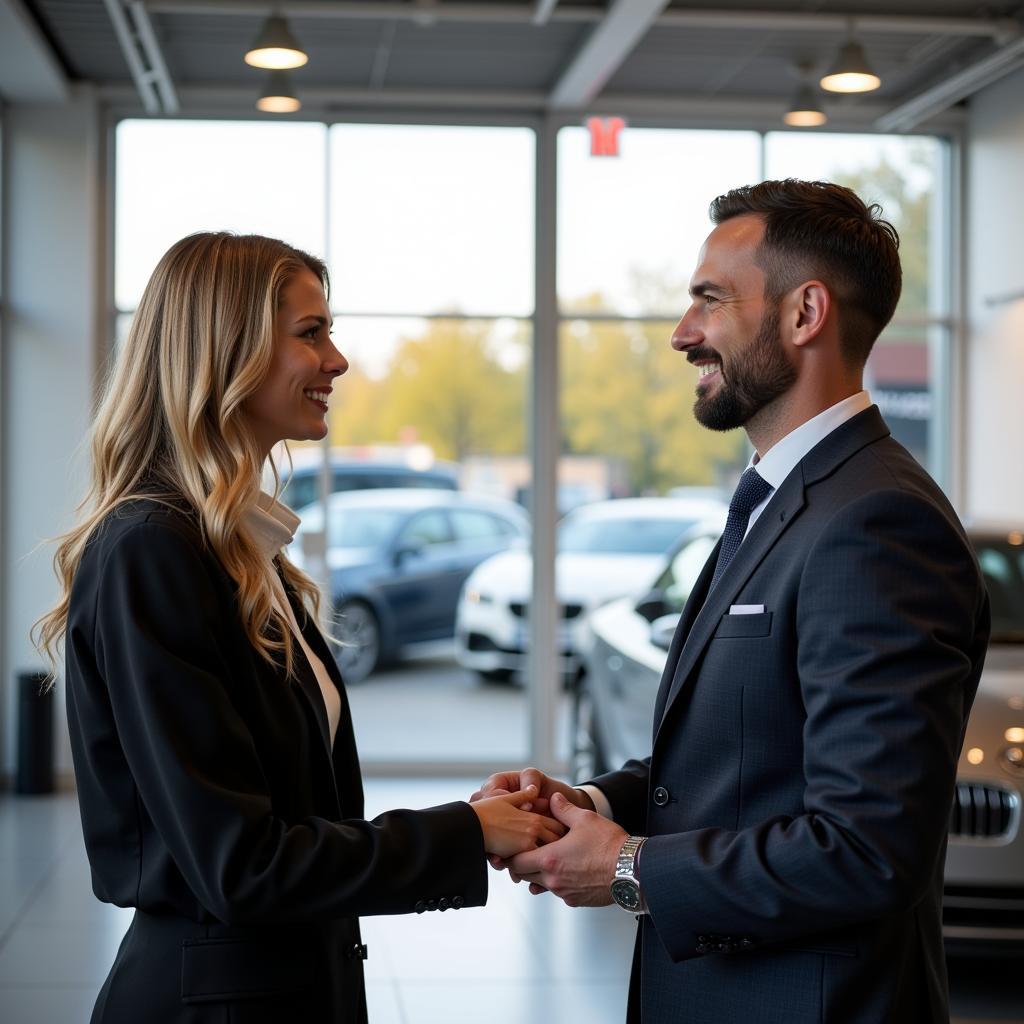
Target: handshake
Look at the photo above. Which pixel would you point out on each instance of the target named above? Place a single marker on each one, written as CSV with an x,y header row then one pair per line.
x,y
548,834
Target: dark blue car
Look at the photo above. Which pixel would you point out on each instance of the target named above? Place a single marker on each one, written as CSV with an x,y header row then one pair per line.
x,y
397,560
302,486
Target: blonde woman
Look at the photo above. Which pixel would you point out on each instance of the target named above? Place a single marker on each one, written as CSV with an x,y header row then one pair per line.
x,y
217,772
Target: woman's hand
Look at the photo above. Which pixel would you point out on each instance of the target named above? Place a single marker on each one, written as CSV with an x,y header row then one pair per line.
x,y
510,827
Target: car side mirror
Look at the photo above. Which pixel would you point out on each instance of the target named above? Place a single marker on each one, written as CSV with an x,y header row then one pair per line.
x,y
406,552
651,606
663,629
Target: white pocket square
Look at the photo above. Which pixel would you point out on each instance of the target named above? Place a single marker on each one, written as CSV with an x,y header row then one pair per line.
x,y
746,609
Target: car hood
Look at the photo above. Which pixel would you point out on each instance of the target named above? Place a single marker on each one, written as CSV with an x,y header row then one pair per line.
x,y
587,579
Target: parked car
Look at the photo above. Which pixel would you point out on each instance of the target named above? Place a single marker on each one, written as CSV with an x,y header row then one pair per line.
x,y
605,549
397,560
302,487
624,646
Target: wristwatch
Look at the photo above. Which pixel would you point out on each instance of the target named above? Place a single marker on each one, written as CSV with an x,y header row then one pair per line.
x,y
625,886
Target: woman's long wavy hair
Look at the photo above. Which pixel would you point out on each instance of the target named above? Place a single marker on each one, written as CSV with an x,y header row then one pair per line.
x,y
171,425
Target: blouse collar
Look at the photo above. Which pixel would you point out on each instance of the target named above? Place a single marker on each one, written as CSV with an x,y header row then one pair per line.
x,y
271,524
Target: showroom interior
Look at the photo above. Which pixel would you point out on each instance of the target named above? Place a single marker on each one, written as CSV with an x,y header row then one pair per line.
x,y
510,198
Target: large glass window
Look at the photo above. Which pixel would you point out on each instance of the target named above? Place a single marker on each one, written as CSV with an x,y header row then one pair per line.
x,y
429,236
177,177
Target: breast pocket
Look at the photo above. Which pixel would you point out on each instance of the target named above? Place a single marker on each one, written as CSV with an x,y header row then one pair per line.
x,y
738,626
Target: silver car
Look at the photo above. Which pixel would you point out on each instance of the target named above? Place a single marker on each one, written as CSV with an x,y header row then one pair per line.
x,y
624,644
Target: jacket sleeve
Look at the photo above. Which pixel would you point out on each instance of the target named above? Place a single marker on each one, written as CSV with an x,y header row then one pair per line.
x,y
892,624
626,790
161,622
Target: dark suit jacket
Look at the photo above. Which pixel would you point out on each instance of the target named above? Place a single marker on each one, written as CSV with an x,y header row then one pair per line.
x,y
212,800
798,792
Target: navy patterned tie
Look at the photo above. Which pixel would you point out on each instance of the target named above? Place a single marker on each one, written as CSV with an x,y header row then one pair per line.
x,y
750,492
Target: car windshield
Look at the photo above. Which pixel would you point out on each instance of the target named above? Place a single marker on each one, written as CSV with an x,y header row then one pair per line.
x,y
636,535
1002,562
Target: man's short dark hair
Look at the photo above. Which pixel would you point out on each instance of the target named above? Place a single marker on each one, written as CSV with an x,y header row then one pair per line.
x,y
814,229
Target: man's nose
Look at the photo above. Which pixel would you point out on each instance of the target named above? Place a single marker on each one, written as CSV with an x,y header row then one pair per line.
x,y
686,333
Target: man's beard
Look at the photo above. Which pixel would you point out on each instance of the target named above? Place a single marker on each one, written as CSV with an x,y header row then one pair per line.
x,y
756,377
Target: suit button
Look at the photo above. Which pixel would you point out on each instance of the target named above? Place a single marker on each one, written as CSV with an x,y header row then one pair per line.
x,y
443,904
661,796
431,904
420,906
458,903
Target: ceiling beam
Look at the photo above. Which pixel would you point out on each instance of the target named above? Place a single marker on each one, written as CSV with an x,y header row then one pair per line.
x,y
29,70
603,52
542,11
953,89
497,13
143,55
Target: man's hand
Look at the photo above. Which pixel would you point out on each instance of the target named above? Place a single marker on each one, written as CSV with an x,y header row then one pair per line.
x,y
514,781
579,868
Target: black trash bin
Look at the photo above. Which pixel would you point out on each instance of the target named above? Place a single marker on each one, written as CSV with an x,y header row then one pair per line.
x,y
35,734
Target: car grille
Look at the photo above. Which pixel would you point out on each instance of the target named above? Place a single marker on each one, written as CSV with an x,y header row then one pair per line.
x,y
520,609
983,906
981,811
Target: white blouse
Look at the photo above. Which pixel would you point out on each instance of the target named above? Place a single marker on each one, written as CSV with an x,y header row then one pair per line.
x,y
272,526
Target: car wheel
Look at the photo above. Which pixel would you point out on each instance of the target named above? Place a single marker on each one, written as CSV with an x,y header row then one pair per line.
x,y
357,628
588,757
495,675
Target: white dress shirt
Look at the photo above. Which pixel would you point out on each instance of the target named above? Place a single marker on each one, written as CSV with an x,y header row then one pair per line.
x,y
779,461
272,526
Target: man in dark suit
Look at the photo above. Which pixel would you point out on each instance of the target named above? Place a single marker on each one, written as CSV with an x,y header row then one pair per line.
x,y
783,845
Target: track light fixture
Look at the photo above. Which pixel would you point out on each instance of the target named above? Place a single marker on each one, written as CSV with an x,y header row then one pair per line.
x,y
278,96
275,47
850,71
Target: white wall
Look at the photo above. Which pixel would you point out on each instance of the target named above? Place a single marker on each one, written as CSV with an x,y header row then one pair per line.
x,y
994,216
53,229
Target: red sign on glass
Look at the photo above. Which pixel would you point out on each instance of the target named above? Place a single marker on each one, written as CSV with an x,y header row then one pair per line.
x,y
604,135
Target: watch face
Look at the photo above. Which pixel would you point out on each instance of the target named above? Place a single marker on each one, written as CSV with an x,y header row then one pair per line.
x,y
626,893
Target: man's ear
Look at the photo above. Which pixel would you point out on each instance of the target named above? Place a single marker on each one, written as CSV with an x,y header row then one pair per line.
x,y
809,308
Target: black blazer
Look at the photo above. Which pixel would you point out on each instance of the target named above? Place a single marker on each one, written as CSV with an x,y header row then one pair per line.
x,y
213,803
804,758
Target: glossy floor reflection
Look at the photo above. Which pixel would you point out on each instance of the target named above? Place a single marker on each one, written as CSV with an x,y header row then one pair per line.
x,y
522,959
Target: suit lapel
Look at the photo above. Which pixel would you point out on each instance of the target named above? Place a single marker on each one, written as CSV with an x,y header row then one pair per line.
x,y
690,611
344,756
698,625
783,507
309,686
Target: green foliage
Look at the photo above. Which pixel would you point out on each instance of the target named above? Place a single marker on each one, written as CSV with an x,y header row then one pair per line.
x,y
627,394
454,387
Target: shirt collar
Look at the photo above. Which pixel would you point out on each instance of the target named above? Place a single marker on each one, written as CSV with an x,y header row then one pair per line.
x,y
783,456
271,524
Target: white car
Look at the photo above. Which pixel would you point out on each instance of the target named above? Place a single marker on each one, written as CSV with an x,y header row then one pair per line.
x,y
605,550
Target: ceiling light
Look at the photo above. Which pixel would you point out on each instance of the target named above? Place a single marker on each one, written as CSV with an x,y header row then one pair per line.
x,y
850,71
279,96
275,47
804,110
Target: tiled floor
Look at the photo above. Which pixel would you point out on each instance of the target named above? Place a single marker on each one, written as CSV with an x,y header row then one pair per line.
x,y
521,960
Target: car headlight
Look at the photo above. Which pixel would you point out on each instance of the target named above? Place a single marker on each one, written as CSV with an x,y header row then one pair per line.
x,y
1014,758
474,596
